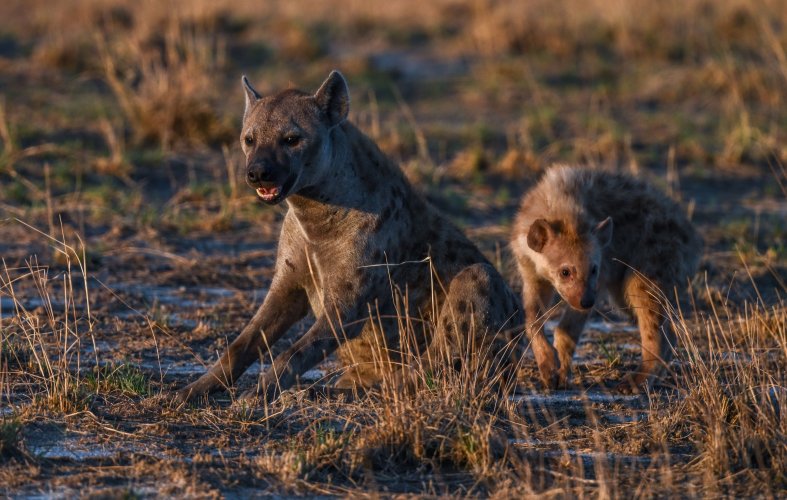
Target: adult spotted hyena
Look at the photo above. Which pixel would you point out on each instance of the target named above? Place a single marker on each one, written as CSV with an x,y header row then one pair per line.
x,y
355,231
564,241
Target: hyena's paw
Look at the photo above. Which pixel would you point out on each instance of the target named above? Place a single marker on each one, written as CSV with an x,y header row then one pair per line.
x,y
548,367
259,395
631,384
192,393
564,376
360,378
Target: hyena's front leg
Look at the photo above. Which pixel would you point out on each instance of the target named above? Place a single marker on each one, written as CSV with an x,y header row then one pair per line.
x,y
322,339
567,334
656,334
538,295
282,307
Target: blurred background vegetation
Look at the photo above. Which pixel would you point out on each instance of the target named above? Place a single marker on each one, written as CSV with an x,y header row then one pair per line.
x,y
113,92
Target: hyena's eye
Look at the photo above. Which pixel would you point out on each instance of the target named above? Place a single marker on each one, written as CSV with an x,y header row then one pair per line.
x,y
249,140
292,140
565,273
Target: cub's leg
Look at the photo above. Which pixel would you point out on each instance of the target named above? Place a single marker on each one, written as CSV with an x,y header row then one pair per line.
x,y
475,322
538,295
567,335
657,336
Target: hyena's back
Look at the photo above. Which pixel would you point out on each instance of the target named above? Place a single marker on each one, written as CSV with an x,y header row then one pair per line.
x,y
652,234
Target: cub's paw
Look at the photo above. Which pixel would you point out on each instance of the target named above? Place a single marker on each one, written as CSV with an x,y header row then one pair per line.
x,y
548,367
550,375
630,385
564,377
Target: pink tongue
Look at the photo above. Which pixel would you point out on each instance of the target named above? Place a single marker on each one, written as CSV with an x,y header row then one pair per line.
x,y
269,191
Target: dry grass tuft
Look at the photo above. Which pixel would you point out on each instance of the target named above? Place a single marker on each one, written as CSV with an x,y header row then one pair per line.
x,y
165,86
46,335
735,396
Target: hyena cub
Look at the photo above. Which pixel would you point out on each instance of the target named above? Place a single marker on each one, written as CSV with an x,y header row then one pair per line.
x,y
355,237
564,241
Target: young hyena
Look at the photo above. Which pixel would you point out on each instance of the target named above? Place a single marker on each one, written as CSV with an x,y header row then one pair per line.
x,y
355,236
563,240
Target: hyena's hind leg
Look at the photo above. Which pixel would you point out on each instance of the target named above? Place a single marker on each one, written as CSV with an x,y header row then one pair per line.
x,y
657,335
473,332
567,334
370,358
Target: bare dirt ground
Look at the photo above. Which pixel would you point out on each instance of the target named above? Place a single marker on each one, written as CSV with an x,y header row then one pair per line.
x,y
132,252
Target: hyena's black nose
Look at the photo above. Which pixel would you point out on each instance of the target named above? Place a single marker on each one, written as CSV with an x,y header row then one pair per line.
x,y
587,302
257,173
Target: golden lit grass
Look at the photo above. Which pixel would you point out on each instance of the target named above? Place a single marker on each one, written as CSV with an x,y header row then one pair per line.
x,y
163,63
719,431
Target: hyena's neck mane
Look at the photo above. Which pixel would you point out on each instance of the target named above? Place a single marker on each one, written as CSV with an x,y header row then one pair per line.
x,y
360,178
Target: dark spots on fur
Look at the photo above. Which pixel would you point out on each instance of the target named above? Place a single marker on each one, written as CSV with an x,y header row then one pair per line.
x,y
349,286
465,326
664,228
289,264
462,306
383,217
509,302
397,192
369,183
432,235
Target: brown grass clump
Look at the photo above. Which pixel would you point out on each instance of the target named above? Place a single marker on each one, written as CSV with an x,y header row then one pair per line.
x,y
165,85
45,341
735,397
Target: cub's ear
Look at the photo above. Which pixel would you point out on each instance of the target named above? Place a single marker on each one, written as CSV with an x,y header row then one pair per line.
x,y
251,95
333,98
538,235
603,232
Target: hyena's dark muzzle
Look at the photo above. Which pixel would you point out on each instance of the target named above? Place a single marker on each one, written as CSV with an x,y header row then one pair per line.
x,y
271,182
259,173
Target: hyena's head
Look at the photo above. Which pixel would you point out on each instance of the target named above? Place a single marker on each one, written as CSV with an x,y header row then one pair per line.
x,y
570,257
286,137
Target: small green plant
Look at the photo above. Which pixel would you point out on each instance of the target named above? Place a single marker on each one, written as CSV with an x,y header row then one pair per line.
x,y
611,353
10,439
14,352
125,377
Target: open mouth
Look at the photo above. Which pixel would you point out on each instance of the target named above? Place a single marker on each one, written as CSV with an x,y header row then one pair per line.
x,y
269,194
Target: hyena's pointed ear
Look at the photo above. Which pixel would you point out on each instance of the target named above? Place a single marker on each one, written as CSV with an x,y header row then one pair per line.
x,y
538,235
251,95
603,232
333,98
